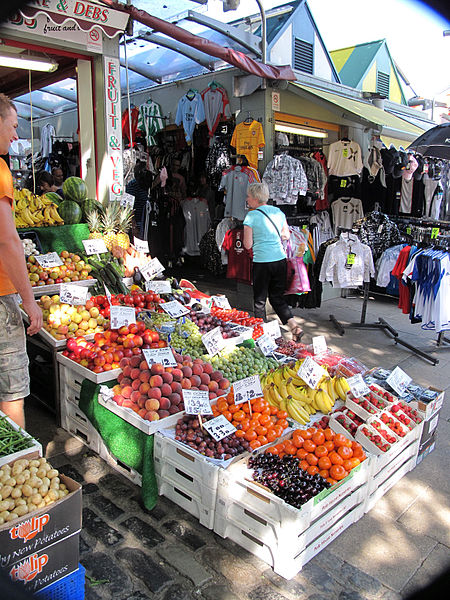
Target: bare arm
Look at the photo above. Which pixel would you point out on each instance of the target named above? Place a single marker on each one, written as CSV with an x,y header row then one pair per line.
x,y
248,237
285,232
13,261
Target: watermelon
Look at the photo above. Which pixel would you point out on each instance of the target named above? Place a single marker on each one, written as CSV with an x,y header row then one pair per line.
x,y
70,211
74,189
90,205
54,197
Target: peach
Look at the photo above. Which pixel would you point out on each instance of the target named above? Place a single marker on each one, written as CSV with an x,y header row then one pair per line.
x,y
120,376
166,389
141,402
127,404
175,399
216,376
125,381
205,378
142,412
144,365
224,384
195,380
157,369
123,362
135,396
118,399
156,381
176,387
136,360
174,409
164,403
127,371
203,387
152,416
135,384
208,368
212,395
127,391
154,393
163,413
116,389
213,386
197,369
167,377
177,374
187,371
135,373
152,404
144,375
186,384
144,388
178,357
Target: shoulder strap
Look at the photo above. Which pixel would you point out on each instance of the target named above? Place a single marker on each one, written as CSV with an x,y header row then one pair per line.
x,y
266,215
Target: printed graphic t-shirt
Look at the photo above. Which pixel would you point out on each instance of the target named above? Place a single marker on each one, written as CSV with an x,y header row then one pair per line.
x,y
239,259
247,139
6,191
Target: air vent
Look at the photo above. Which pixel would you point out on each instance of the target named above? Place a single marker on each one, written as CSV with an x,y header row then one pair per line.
x,y
383,83
303,56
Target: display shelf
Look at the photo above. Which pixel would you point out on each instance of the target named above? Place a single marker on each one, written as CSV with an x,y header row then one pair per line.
x,y
87,373
50,290
47,337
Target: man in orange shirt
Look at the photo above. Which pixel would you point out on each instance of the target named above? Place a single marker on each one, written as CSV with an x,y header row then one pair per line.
x,y
14,377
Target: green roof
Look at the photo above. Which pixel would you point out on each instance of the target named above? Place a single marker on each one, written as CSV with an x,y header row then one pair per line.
x,y
275,23
358,62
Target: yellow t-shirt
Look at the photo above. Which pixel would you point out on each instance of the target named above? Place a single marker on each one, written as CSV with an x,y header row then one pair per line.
x,y
6,191
247,139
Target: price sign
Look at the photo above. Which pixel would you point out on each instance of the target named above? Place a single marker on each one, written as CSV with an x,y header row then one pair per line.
x,y
266,344
174,309
282,358
196,402
221,302
72,294
94,246
122,316
311,372
141,245
213,341
219,428
358,386
159,287
434,232
50,260
272,328
399,381
319,344
152,268
127,200
247,389
107,293
163,356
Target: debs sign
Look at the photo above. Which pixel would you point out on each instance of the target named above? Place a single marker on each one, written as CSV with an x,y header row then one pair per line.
x,y
113,129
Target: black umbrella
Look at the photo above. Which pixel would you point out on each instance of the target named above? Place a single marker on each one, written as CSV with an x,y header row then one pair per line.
x,y
434,143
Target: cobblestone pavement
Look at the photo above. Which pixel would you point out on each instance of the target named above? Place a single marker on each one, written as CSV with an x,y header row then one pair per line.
x,y
165,554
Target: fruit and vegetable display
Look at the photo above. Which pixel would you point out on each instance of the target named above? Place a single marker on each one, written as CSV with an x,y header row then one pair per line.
x,y
64,321
29,247
11,439
207,322
110,224
108,271
155,391
239,362
26,486
74,268
35,211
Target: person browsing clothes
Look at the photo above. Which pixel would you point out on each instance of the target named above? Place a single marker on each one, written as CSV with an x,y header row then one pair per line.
x,y
265,227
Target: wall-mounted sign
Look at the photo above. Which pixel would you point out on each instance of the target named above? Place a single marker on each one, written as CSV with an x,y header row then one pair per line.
x,y
113,129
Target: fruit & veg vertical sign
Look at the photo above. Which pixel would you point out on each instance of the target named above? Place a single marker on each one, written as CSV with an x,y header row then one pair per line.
x,y
113,129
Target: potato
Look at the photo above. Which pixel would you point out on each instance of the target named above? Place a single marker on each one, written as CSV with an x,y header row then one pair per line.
x,y
53,495
2,520
5,491
17,492
51,473
11,481
36,498
20,502
35,482
27,490
26,473
33,470
4,478
62,486
12,516
21,510
16,470
55,483
46,481
3,505
41,473
20,479
23,462
35,463
61,493
43,489
4,514
12,503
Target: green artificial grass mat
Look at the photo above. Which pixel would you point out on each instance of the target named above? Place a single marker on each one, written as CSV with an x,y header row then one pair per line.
x,y
62,237
128,444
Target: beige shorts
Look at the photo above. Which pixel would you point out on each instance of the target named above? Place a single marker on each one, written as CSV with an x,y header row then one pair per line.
x,y
14,376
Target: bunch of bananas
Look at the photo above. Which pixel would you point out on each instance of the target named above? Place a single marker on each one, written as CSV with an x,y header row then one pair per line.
x,y
34,211
284,389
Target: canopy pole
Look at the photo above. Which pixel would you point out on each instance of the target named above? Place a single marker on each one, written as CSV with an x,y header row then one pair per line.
x,y
128,90
263,32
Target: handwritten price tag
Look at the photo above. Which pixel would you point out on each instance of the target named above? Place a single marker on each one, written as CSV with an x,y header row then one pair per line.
x,y
358,386
49,260
311,372
174,309
399,381
319,344
247,389
163,356
94,246
122,316
151,269
221,302
196,402
141,245
72,294
272,328
282,358
266,344
159,287
127,200
219,428
213,341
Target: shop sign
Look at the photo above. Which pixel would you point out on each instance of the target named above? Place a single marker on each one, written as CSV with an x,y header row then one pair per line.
x,y
276,100
113,129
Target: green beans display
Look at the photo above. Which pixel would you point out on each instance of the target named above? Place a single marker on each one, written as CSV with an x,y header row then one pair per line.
x,y
12,440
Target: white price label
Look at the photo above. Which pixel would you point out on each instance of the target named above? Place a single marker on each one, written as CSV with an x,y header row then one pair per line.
x,y
247,389
122,316
213,341
319,344
241,330
266,344
282,358
49,260
159,287
399,381
127,200
141,245
151,269
272,328
311,372
71,293
196,402
219,428
94,246
163,356
358,386
221,302
174,309
107,293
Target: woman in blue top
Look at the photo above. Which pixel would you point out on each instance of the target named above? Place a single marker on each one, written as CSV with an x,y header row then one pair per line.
x,y
264,229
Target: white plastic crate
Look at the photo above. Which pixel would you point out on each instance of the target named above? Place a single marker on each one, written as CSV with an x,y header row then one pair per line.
x,y
382,489
35,449
378,478
165,469
87,373
192,503
69,384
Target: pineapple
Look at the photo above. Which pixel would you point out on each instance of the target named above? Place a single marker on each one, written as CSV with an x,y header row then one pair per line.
x,y
109,220
124,225
95,225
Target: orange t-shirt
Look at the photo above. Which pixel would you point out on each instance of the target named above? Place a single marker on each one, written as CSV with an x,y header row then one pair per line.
x,y
6,191
248,138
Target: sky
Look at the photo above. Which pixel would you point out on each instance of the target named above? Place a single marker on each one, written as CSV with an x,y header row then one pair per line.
x,y
414,32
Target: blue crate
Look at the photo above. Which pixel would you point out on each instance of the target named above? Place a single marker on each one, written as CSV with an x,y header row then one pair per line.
x,y
70,587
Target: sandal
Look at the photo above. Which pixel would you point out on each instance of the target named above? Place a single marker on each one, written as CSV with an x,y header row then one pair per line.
x,y
297,334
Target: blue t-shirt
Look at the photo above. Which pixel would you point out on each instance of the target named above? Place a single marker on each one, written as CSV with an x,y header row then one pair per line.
x,y
267,246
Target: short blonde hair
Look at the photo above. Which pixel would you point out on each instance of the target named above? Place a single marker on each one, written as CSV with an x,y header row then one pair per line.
x,y
5,105
258,191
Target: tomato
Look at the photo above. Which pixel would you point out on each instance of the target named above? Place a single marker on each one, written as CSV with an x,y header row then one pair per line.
x,y
324,473
297,439
320,451
289,448
345,452
304,465
301,453
351,463
341,440
335,458
324,462
250,435
309,445
312,459
312,470
338,472
255,444
306,435
318,438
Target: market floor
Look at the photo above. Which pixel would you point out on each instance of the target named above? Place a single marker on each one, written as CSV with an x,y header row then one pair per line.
x,y
397,548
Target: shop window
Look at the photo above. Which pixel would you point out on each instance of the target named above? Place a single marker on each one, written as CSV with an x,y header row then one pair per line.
x,y
383,83
303,56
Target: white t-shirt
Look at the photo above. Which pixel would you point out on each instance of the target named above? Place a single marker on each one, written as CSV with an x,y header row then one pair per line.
x,y
344,159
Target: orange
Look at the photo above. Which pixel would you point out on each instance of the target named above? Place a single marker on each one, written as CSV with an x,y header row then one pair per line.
x,y
318,438
304,465
273,410
290,448
271,435
280,447
335,458
282,414
306,435
324,473
312,459
239,433
301,453
278,430
255,444
341,440
329,445
272,450
320,451
257,405
338,472
324,463
345,452
309,445
312,470
260,430
351,463
264,419
262,440
245,424
297,439
329,433
250,435
283,424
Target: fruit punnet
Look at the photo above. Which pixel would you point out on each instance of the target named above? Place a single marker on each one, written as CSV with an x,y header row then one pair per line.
x,y
74,189
70,212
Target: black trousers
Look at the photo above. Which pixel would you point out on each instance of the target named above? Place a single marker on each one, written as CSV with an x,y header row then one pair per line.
x,y
269,280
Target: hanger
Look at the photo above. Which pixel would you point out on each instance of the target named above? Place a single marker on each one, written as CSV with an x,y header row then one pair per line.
x,y
214,85
249,118
191,93
345,139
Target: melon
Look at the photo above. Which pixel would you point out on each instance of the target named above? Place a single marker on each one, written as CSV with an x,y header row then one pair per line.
x,y
70,212
90,205
54,197
74,189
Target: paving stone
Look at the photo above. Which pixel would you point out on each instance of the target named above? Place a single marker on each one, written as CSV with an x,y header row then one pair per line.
x,y
90,593
351,595
145,533
242,573
178,592
315,575
391,595
218,592
118,486
287,586
90,488
436,563
142,566
362,581
110,510
84,546
100,530
331,563
319,597
265,592
71,472
185,533
185,562
138,596
101,566
157,513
